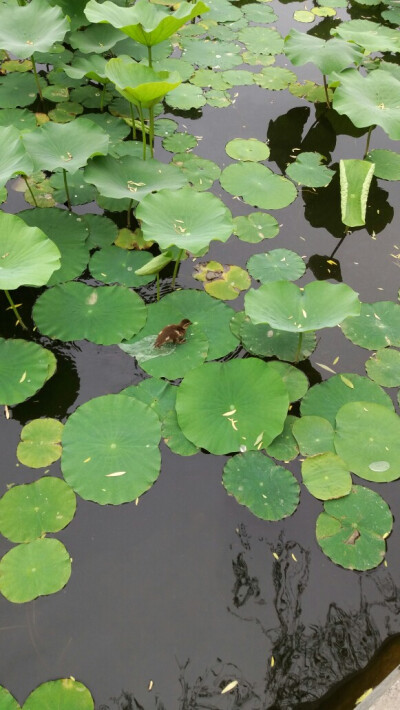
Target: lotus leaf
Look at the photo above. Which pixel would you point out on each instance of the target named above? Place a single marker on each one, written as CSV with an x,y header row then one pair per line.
x,y
18,90
223,11
265,341
310,91
75,311
307,170
387,164
95,38
384,367
314,435
201,173
131,178
13,157
377,326
145,22
274,78
7,702
185,97
258,58
24,368
372,36
368,439
114,437
284,446
63,694
284,305
238,77
255,12
116,129
18,118
276,265
139,84
261,39
29,511
175,438
222,281
213,54
295,380
255,227
324,11
303,16
172,64
21,32
271,492
355,181
68,146
210,79
114,265
79,191
184,218
324,400
34,569
334,55
40,444
93,66
56,94
28,257
222,407
247,149
102,231
159,395
352,530
165,127
258,185
179,142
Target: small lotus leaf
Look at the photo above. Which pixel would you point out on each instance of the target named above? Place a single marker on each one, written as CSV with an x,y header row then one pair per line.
x,y
110,449
18,118
102,231
265,341
247,149
310,91
175,438
271,492
7,702
295,380
352,530
34,569
24,368
303,16
114,265
387,164
255,227
222,281
18,90
384,367
21,32
211,54
75,311
159,395
314,435
40,443
274,78
265,40
63,694
79,191
334,55
258,185
139,84
284,446
307,170
28,257
95,38
201,173
179,142
185,97
377,326
276,265
13,157
93,66
326,476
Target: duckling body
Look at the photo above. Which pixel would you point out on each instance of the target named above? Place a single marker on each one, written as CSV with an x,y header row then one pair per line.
x,y
174,333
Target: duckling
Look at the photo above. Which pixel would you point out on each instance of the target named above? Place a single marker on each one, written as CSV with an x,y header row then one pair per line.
x,y
174,333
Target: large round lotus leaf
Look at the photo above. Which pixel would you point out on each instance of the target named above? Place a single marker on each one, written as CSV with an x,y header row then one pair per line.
x,y
175,438
40,443
247,149
65,145
185,97
328,56
369,100
159,395
284,305
131,178
369,35
24,368
200,172
110,449
69,232
276,265
324,400
33,570
352,530
307,170
18,90
377,326
63,694
274,78
208,78
7,702
212,316
255,227
271,492
28,257
384,367
18,118
284,446
222,407
387,164
21,31
29,511
326,476
114,265
295,380
265,40
265,341
213,54
95,38
184,218
367,438
75,311
258,185
139,84
314,435
13,158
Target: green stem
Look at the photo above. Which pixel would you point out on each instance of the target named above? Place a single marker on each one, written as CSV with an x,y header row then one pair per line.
x,y
35,74
368,140
150,57
151,131
102,97
30,190
299,344
176,267
328,103
133,123
143,130
128,214
67,190
158,286
14,308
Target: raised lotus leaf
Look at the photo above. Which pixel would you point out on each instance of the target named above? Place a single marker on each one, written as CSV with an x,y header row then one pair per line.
x,y
355,181
372,36
328,56
21,32
139,84
13,157
265,341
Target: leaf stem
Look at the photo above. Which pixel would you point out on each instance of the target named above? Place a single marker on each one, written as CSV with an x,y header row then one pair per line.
x,y
143,130
176,267
151,131
328,103
299,344
128,214
368,141
15,309
30,190
102,97
133,123
158,285
67,190
150,56
35,74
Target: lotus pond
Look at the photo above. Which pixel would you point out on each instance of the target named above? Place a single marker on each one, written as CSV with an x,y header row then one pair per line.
x,y
209,521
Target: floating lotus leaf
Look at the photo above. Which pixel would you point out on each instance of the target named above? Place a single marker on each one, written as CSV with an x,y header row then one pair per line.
x,y
173,64
63,694
114,265
271,492
40,444
21,32
91,97
324,11
324,400
222,281
79,191
284,446
258,58
145,22
261,39
75,311
110,449
314,435
7,702
377,326
255,12
29,511
352,530
222,406
213,54
258,185
175,438
184,218
102,231
13,157
310,91
34,569
368,439
387,164
284,305
65,145
355,181
307,169
295,380
179,142
334,55
159,395
93,66
19,118
201,173
247,149
255,227
303,16
24,368
223,11
18,90
276,265
28,257
69,232
274,78
95,38
115,127
139,84
218,99
238,77
131,178
384,367
185,97
210,79
265,341
372,36
326,476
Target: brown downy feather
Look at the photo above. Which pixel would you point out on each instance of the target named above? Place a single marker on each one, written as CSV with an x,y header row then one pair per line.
x,y
174,333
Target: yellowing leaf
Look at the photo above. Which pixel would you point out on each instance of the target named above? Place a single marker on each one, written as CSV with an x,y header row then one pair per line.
x,y
347,382
230,686
364,695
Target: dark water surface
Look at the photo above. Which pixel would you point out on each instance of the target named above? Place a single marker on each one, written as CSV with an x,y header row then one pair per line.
x,y
184,589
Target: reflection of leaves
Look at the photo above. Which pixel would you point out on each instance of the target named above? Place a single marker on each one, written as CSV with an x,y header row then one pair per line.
x,y
285,133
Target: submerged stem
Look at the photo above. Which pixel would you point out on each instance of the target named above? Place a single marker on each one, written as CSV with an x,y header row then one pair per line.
x,y
176,267
299,344
30,190
328,103
15,309
368,141
67,190
143,130
35,74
